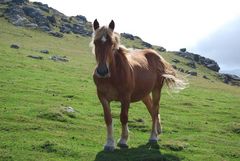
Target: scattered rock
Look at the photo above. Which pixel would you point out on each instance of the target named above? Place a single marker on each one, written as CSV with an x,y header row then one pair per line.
x,y
49,147
205,77
161,49
44,51
139,120
181,70
176,61
192,73
191,64
14,46
35,57
174,66
69,109
56,34
59,58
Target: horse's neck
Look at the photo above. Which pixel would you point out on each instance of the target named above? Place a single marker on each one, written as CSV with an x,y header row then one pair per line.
x,y
120,67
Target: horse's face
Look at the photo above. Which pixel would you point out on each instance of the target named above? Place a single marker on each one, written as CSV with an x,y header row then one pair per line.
x,y
103,48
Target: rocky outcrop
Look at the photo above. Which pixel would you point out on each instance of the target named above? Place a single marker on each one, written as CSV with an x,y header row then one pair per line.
x,y
40,16
127,36
230,79
146,44
209,63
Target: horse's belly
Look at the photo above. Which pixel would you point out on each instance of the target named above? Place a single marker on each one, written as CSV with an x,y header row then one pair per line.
x,y
144,85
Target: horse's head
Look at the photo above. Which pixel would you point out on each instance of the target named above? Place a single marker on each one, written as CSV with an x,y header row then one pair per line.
x,y
105,41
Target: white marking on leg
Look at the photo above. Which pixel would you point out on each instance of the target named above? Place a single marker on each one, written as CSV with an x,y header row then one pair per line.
x,y
159,125
124,136
154,134
110,139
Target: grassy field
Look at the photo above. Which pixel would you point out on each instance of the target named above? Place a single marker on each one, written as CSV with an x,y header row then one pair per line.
x,y
201,122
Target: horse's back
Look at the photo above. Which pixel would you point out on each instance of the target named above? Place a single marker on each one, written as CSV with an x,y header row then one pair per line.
x,y
143,63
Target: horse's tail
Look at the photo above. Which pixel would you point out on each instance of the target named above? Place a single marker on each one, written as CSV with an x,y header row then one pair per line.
x,y
172,80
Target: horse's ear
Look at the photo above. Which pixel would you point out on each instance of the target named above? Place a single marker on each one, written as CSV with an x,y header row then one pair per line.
x,y
111,25
95,24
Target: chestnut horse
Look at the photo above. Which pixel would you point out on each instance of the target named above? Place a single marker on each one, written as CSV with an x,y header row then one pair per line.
x,y
128,76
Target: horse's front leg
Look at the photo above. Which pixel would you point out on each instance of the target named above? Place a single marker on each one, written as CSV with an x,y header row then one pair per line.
x,y
110,145
122,143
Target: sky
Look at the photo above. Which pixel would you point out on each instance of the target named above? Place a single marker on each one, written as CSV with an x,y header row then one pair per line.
x,y
201,26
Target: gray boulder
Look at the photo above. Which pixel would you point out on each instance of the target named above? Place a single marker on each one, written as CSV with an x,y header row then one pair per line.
x,y
161,49
59,58
213,67
183,50
176,61
14,46
19,1
192,73
35,57
44,28
55,34
205,77
52,19
44,51
65,29
181,70
81,19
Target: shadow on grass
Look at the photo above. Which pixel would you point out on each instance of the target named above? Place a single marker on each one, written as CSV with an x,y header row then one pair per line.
x,y
148,152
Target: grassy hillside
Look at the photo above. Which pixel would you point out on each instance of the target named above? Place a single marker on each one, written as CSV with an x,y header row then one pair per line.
x,y
200,123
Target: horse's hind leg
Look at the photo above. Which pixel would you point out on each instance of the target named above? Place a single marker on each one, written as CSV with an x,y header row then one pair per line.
x,y
156,127
153,110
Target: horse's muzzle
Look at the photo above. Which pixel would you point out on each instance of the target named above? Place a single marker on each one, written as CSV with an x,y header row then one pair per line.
x,y
102,71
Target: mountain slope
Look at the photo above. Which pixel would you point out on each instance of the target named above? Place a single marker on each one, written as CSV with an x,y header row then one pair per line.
x,y
199,123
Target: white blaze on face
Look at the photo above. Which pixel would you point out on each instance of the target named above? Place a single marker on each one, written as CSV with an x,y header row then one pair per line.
x,y
103,39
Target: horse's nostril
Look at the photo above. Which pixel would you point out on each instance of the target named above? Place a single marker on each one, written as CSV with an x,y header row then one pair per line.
x,y
102,71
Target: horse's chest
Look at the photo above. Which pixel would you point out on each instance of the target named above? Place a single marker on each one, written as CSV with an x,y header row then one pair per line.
x,y
108,90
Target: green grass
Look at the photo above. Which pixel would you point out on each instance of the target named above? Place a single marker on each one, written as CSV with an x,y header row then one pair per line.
x,y
201,122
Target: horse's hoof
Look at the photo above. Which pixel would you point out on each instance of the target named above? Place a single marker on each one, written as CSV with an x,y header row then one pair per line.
x,y
109,148
152,141
122,146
